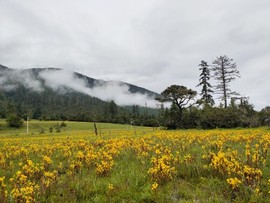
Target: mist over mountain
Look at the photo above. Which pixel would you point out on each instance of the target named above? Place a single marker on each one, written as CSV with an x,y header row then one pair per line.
x,y
62,82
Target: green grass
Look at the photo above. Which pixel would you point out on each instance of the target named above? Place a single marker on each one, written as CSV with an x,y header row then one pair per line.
x,y
36,127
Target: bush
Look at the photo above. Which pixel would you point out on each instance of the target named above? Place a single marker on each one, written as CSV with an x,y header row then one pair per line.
x,y
51,129
220,118
63,124
151,122
14,121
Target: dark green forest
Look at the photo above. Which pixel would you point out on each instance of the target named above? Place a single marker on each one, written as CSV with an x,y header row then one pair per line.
x,y
73,106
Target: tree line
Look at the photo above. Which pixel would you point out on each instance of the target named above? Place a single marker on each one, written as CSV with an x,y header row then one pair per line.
x,y
21,104
186,109
233,111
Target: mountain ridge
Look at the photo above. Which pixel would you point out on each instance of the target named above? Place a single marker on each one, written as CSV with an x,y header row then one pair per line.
x,y
54,93
91,82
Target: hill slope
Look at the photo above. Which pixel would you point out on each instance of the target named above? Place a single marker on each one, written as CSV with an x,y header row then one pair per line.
x,y
37,79
53,93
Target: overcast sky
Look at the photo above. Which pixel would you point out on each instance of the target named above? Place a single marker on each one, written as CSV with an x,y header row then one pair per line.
x,y
149,43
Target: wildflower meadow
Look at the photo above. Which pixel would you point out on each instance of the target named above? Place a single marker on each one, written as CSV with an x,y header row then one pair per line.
x,y
131,164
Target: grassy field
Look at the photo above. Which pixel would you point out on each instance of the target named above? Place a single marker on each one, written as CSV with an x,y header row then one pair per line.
x,y
132,164
36,127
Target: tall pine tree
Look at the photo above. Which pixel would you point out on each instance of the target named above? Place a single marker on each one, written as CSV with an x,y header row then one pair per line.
x,y
225,72
206,98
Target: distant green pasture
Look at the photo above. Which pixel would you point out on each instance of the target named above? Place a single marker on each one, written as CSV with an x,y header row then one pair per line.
x,y
36,127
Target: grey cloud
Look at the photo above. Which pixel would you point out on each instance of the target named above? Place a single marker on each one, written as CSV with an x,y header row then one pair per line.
x,y
152,43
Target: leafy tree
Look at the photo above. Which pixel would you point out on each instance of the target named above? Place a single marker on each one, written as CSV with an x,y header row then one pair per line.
x,y
14,121
191,117
220,118
206,86
265,116
225,72
180,96
151,122
171,117
247,115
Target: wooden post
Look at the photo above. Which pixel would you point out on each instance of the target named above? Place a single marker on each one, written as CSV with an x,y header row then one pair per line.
x,y
27,125
95,127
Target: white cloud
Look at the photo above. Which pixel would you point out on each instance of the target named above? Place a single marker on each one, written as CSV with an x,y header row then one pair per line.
x,y
21,76
107,91
120,93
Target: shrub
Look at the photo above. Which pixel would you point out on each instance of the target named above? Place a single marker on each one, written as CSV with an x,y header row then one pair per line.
x,y
50,129
14,121
63,124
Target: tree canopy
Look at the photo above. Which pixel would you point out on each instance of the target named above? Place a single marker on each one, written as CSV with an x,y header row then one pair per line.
x,y
180,97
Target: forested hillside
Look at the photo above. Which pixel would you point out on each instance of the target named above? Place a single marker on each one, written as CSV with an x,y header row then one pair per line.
x,y
28,94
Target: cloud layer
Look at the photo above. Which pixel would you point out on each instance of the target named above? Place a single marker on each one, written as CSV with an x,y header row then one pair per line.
x,y
61,80
153,43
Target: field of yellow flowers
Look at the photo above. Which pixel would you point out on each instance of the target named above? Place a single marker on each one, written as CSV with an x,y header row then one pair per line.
x,y
136,166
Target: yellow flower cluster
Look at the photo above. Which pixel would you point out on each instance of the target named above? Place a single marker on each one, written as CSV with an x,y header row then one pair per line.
x,y
47,161
110,187
234,183
49,178
154,186
3,191
252,176
30,167
241,166
24,189
163,165
225,162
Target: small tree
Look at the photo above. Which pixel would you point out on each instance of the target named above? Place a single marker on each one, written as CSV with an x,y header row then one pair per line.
x,y
180,96
225,72
206,98
265,116
14,121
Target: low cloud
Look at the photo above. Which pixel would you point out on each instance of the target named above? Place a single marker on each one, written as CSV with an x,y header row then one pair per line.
x,y
9,80
62,80
120,93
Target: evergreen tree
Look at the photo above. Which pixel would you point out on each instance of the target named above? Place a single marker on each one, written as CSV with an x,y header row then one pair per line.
x,y
206,98
225,72
113,109
135,111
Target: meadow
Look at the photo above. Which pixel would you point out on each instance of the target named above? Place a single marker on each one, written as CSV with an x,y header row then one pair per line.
x,y
125,163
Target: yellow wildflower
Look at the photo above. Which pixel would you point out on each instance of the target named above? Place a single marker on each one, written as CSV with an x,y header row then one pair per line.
x,y
234,182
154,186
110,186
